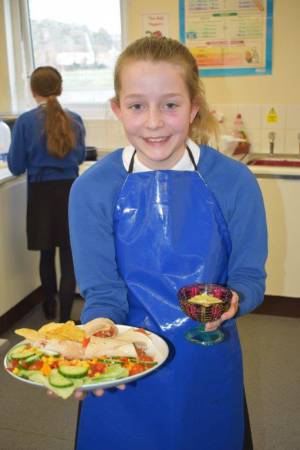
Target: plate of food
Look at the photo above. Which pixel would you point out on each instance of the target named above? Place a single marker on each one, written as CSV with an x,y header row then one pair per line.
x,y
64,357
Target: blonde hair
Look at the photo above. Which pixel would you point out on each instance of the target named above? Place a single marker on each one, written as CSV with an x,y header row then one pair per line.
x,y
46,81
169,50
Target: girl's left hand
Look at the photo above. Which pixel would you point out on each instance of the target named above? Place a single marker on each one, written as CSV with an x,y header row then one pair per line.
x,y
234,305
80,395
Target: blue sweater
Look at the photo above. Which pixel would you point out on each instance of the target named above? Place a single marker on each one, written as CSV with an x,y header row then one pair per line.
x,y
92,203
28,150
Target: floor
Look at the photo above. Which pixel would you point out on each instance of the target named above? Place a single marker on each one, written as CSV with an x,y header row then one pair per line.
x,y
30,420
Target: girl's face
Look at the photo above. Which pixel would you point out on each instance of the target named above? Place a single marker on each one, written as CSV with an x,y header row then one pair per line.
x,y
156,111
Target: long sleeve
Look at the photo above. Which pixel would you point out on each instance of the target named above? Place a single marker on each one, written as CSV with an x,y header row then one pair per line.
x,y
241,202
91,231
17,156
248,231
80,146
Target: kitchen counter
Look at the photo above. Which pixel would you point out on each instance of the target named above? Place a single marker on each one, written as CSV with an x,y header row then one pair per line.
x,y
19,268
6,175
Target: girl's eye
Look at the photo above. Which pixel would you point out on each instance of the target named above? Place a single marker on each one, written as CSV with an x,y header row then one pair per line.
x,y
136,106
171,105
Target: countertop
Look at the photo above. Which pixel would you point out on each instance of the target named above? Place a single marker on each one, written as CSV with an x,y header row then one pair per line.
x,y
268,171
6,175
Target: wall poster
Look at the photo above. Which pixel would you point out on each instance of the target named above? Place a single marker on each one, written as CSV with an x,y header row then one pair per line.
x,y
228,37
155,25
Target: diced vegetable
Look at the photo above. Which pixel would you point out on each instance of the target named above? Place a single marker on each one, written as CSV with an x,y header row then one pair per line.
x,y
73,371
31,359
22,352
113,373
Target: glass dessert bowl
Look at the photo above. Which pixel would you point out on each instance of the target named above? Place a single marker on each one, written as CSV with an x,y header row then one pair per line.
x,y
204,303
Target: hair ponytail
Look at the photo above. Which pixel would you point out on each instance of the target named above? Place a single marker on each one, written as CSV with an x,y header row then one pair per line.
x,y
60,135
59,131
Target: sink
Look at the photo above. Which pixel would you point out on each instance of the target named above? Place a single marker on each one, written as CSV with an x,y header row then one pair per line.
x,y
278,160
273,162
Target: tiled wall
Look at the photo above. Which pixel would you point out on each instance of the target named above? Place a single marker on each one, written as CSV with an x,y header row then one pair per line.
x,y
258,121
105,134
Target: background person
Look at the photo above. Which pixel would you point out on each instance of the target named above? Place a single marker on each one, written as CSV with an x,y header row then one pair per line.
x,y
148,219
48,143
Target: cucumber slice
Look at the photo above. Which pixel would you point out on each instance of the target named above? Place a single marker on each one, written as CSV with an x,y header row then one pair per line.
x,y
22,352
73,371
112,373
59,381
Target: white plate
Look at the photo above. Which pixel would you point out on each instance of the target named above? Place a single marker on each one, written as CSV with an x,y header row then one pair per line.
x,y
161,354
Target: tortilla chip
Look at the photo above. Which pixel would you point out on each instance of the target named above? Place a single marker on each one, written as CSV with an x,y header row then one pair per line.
x,y
49,327
53,330
27,333
63,331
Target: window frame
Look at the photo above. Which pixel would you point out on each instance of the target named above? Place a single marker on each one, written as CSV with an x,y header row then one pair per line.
x,y
21,61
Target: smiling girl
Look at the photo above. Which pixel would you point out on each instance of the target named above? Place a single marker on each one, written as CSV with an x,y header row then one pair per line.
x,y
148,219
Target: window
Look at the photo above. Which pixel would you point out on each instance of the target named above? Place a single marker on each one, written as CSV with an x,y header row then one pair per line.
x,y
81,38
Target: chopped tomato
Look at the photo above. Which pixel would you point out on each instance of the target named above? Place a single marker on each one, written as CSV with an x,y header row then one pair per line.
x,y
86,342
54,365
143,356
106,333
137,368
14,363
96,368
124,359
36,365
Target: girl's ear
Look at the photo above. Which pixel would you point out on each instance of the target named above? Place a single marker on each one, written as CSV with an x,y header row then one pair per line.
x,y
194,110
115,108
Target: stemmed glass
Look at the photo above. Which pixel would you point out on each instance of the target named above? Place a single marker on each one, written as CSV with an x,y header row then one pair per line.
x,y
216,299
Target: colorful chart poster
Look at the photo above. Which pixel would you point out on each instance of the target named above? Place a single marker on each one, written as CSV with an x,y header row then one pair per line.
x,y
228,37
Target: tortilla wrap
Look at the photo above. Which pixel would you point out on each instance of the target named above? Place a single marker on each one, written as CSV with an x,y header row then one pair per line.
x,y
100,324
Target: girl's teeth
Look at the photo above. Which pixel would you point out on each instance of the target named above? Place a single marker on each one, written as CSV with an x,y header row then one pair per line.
x,y
155,139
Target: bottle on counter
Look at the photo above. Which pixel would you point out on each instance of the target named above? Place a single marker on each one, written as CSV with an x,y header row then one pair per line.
x,y
239,133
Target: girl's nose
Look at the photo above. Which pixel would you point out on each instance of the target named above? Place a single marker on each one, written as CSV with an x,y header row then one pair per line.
x,y
154,118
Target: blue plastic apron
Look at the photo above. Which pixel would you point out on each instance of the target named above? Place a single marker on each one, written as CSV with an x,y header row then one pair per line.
x,y
169,232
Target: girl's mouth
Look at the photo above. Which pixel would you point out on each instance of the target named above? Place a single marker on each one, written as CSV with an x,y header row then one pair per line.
x,y
156,140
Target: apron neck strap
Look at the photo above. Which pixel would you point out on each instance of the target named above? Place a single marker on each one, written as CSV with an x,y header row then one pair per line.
x,y
191,157
131,164
130,168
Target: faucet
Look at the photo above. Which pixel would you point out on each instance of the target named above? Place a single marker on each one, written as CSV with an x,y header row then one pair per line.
x,y
271,137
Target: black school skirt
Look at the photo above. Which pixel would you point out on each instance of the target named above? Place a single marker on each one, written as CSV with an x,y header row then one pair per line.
x,y
47,214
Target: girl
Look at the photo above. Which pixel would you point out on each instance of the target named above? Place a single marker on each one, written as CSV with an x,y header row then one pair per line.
x,y
48,143
148,219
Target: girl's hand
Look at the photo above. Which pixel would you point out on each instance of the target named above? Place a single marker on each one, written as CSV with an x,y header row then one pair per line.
x,y
80,395
234,305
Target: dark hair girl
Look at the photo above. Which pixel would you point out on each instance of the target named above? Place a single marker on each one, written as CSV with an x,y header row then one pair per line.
x,y
48,143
